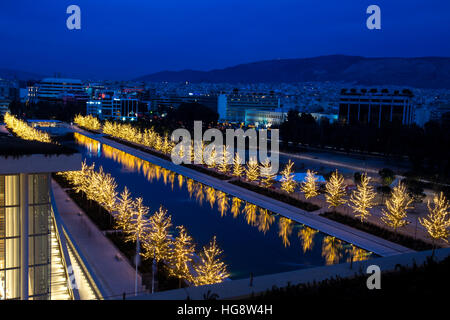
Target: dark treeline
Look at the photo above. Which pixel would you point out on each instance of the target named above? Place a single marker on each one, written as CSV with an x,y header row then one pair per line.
x,y
46,110
426,148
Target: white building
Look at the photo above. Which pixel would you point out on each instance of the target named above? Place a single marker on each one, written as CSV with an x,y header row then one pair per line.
x,y
264,118
232,107
54,89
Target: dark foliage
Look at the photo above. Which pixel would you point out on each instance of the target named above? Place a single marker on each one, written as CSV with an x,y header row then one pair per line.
x,y
426,148
417,283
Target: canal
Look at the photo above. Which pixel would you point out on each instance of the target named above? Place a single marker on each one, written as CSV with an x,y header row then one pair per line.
x,y
253,240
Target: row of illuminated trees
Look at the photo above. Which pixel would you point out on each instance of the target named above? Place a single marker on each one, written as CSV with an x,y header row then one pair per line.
x,y
88,122
262,219
394,215
361,200
152,233
24,131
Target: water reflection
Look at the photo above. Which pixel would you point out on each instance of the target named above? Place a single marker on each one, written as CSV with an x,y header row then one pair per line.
x,y
333,250
306,235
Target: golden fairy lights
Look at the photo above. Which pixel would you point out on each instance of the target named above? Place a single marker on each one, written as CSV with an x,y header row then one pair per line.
x,y
257,217
24,131
88,122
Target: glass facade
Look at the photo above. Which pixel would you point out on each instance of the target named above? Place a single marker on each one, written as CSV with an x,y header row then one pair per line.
x,y
38,270
39,236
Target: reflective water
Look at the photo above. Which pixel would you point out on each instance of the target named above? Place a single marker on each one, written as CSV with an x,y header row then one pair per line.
x,y
254,240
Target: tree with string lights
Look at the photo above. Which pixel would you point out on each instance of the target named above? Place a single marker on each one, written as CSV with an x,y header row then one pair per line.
x,y
437,221
238,168
267,174
211,269
288,182
252,171
157,242
335,190
225,158
397,206
183,250
362,199
124,208
309,186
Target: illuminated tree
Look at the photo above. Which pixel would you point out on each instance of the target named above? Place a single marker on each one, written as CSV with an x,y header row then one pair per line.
x,y
238,169
437,221
181,257
306,235
285,226
124,209
309,187
138,224
166,145
109,193
363,198
211,269
252,171
24,131
212,158
397,206
267,175
157,243
225,159
288,182
335,190
199,149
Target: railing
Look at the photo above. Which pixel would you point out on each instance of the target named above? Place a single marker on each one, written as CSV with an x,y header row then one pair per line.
x,y
66,243
65,260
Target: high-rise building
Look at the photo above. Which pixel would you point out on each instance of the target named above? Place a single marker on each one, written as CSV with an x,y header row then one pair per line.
x,y
376,107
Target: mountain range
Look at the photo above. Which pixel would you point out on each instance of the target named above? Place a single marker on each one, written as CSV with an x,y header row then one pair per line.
x,y
423,72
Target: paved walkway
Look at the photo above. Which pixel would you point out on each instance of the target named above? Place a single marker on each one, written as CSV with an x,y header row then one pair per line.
x,y
116,276
343,232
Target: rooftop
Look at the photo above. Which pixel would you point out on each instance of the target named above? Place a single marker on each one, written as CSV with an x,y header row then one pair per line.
x,y
16,147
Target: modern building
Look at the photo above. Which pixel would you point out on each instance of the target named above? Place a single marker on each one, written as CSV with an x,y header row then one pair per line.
x,y
376,107
37,255
173,101
110,105
232,107
264,118
58,90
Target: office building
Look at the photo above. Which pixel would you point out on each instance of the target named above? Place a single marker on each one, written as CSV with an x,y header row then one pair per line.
x,y
58,90
376,107
110,105
263,118
232,107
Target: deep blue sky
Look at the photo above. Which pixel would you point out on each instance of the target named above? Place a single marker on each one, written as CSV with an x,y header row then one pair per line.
x,y
122,39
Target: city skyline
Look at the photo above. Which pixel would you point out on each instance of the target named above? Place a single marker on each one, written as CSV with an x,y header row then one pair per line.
x,y
204,36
